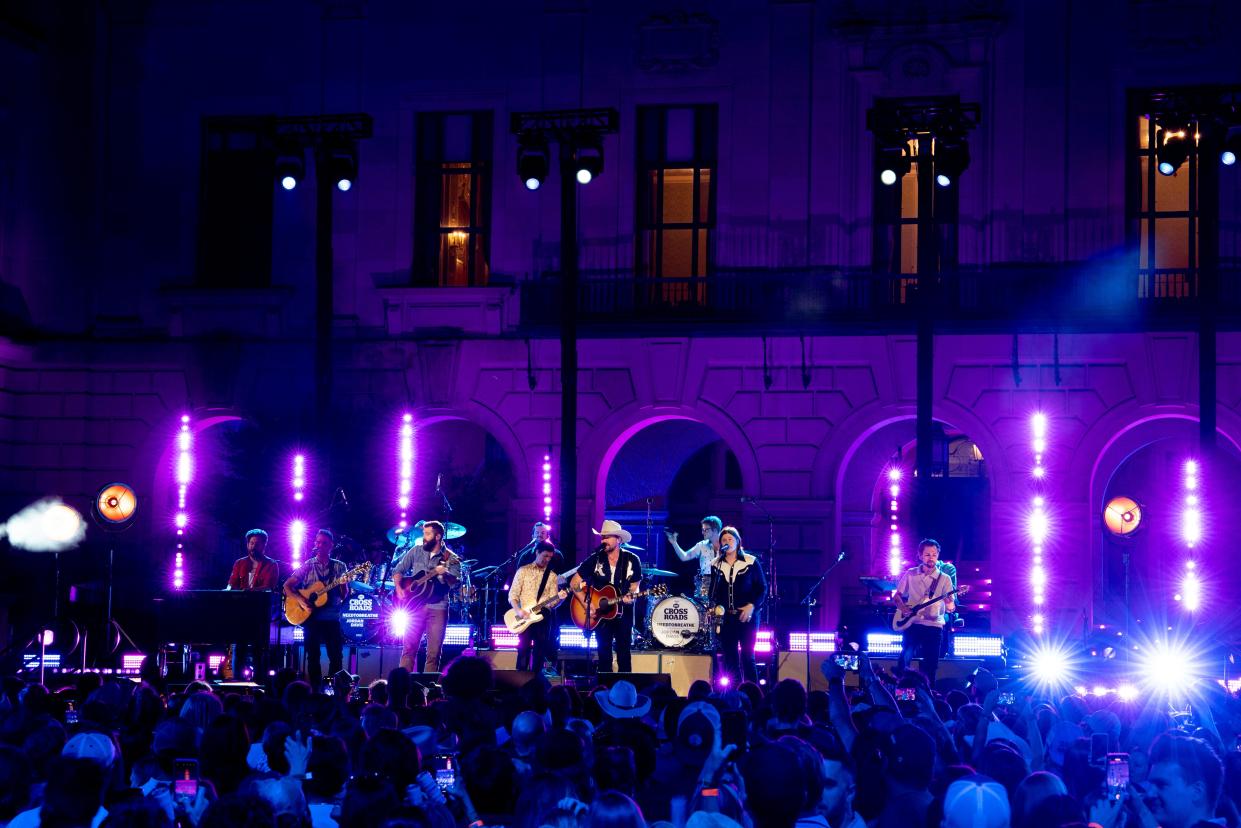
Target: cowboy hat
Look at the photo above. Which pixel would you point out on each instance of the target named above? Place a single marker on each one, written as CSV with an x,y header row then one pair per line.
x,y
623,701
611,527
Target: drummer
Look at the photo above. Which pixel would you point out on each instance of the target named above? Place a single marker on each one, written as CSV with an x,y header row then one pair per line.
x,y
705,551
540,533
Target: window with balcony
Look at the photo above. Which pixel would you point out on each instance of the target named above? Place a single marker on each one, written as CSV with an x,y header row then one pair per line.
x,y
452,211
236,203
1164,207
677,156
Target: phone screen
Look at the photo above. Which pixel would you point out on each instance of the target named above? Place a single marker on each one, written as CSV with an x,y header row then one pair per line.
x,y
906,694
848,662
1117,773
185,777
444,765
1008,699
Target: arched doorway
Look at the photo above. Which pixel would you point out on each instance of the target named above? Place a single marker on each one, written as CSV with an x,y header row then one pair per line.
x,y
670,474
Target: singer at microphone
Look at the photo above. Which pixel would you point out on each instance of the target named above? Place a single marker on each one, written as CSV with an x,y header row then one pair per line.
x,y
737,590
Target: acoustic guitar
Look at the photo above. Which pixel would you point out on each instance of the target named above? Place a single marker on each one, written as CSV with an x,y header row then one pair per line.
x,y
590,606
417,588
317,593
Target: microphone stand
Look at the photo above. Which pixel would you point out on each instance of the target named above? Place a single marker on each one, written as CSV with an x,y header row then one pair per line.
x,y
810,602
489,594
773,589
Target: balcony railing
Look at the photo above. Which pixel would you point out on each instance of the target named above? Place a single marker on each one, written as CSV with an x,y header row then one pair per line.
x,y
1066,297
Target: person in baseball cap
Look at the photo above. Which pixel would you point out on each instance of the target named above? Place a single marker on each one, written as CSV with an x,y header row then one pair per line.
x,y
976,802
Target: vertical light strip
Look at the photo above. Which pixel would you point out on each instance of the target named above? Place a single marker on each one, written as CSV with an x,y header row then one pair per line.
x,y
297,527
547,488
405,462
1190,595
184,474
895,562
1038,524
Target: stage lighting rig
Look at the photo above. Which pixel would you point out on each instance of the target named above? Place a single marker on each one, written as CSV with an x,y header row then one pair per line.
x,y
892,159
533,160
941,122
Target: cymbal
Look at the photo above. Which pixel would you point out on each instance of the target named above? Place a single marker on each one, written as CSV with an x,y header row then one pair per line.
x,y
452,531
396,533
470,562
632,548
358,586
657,573
878,584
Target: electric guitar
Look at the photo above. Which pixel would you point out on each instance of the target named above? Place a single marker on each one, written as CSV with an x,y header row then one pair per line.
x,y
590,606
316,595
533,616
905,617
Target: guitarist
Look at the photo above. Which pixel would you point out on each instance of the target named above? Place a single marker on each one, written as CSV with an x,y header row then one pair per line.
x,y
427,603
609,564
322,628
533,583
737,589
922,583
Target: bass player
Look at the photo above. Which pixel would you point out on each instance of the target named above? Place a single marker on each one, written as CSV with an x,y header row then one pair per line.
x,y
922,583
423,578
610,564
323,626
533,583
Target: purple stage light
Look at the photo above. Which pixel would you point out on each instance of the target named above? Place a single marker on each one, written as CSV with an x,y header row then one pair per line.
x,y
895,564
547,487
764,641
725,681
398,622
1038,521
405,465
184,473
1052,667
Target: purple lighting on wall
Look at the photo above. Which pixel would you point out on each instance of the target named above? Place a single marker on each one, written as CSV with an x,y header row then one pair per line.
x,y
184,475
1191,585
299,477
405,467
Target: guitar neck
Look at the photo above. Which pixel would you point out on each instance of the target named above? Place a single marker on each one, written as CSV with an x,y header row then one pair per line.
x,y
926,604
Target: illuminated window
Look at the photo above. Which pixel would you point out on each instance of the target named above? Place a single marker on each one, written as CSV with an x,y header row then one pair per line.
x,y
1164,210
906,213
452,213
676,200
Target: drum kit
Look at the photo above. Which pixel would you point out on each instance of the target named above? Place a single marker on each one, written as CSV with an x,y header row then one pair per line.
x,y
364,616
678,622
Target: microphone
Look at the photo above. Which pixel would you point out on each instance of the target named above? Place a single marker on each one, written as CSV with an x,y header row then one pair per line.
x,y
343,498
726,547
841,556
439,482
745,499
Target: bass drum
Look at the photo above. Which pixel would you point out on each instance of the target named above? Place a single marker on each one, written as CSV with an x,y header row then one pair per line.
x,y
360,618
676,621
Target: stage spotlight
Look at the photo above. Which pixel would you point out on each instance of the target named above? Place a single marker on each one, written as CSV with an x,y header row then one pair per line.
x,y
1170,669
1173,150
341,167
115,504
398,622
1051,666
1122,516
1232,147
532,160
893,164
290,167
587,159
952,156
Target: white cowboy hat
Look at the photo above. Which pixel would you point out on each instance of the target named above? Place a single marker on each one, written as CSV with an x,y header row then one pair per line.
x,y
611,527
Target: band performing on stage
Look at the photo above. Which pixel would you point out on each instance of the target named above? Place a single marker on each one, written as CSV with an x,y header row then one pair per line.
x,y
408,593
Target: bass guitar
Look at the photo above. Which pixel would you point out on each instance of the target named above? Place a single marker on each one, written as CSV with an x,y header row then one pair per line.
x,y
590,606
905,617
533,614
317,593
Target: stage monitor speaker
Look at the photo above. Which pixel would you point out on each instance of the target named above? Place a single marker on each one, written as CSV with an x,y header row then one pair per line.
x,y
512,679
500,659
371,663
793,665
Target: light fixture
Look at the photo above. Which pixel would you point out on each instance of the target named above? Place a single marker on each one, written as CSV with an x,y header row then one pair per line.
x,y
341,167
1122,516
533,161
892,162
952,156
1173,149
1232,147
587,158
290,166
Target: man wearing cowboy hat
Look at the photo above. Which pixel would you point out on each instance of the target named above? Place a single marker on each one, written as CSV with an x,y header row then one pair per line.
x,y
610,564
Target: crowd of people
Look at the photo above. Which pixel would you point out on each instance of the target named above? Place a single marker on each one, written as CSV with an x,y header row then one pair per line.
x,y
874,749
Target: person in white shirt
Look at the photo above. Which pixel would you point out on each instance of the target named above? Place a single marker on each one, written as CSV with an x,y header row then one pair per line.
x,y
925,581
704,552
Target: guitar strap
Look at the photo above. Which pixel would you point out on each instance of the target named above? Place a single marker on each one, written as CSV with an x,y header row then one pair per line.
x,y
538,596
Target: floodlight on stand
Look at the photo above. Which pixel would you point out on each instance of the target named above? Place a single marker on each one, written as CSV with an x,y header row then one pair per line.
x,y
587,158
533,161
1232,147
